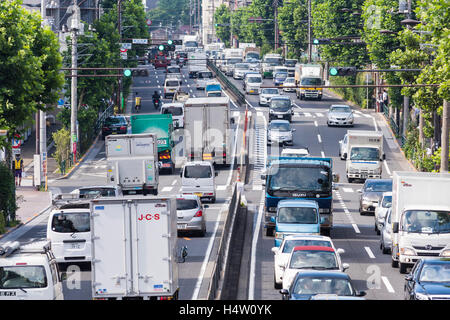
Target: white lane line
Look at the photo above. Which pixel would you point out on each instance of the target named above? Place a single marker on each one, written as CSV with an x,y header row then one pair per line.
x,y
375,123
316,124
323,154
166,189
387,168
221,188
230,99
355,115
356,228
347,190
387,284
319,114
369,252
174,182
307,114
367,115
257,187
319,138
297,106
251,283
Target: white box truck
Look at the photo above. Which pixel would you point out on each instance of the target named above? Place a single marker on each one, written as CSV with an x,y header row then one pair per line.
x,y
420,217
364,154
196,62
308,75
207,129
132,162
134,248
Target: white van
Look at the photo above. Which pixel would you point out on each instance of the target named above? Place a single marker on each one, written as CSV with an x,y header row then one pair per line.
x,y
171,86
69,230
176,109
198,177
29,272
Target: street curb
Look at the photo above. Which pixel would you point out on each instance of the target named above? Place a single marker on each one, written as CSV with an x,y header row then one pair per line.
x,y
67,175
25,223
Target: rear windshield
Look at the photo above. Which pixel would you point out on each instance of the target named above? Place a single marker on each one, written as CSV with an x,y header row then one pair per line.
x,y
197,172
291,244
205,75
186,204
15,277
173,83
71,222
175,111
173,70
104,192
115,120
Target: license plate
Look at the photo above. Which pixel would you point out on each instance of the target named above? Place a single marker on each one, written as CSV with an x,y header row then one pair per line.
x,y
280,117
198,194
252,91
7,293
166,165
76,246
114,132
182,226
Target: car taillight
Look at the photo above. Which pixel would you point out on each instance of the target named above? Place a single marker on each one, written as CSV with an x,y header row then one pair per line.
x,y
199,214
105,128
224,154
123,128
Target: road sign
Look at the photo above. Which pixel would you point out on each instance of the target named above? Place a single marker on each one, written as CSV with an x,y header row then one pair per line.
x,y
123,50
3,132
124,55
149,22
126,45
61,102
16,142
140,41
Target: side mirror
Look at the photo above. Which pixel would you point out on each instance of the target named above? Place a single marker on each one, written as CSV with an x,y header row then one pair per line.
x,y
232,121
284,291
361,293
263,177
322,220
344,156
216,174
274,250
336,177
181,174
340,251
395,227
384,156
345,266
293,130
409,277
272,219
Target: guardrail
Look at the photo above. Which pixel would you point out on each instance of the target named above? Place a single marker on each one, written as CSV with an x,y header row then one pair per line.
x,y
227,84
394,126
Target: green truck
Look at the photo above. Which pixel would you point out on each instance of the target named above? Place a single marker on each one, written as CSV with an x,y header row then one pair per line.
x,y
162,126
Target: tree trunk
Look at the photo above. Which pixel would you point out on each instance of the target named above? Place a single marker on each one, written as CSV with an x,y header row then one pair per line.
x,y
445,137
421,135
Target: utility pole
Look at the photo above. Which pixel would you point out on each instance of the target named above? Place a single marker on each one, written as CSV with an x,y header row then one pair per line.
x,y
309,33
74,84
190,16
275,22
119,26
42,114
445,137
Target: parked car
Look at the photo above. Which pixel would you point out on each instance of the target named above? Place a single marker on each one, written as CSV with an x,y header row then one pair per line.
x,y
280,132
340,115
386,233
307,258
289,84
307,285
371,193
381,210
282,253
114,125
103,191
429,279
191,214
297,152
266,94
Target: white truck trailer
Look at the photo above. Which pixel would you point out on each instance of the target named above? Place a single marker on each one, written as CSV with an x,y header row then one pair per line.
x,y
363,153
132,162
420,217
134,248
308,75
207,129
196,62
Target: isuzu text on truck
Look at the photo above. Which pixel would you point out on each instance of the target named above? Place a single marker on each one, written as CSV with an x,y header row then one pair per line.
x,y
299,178
420,217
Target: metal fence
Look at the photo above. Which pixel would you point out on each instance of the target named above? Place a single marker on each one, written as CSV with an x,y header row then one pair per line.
x,y
101,120
394,126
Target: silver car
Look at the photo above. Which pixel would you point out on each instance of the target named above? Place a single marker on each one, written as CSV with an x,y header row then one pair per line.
x,y
280,131
191,214
266,94
381,210
240,69
386,231
371,194
340,115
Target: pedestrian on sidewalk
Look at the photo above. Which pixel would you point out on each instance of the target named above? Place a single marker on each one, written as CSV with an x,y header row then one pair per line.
x,y
18,167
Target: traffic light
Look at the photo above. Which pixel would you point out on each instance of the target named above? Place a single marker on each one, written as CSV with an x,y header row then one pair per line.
x,y
127,72
322,41
169,42
342,71
177,42
161,47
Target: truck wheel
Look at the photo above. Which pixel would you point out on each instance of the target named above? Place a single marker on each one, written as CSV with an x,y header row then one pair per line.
x,y
350,180
269,232
275,284
394,264
403,267
384,250
213,200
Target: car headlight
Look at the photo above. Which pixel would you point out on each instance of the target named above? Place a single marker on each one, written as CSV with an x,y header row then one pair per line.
x,y
421,296
366,201
407,251
445,253
279,235
272,209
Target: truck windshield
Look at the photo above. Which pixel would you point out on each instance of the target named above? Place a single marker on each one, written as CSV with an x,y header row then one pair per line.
x,y
311,82
190,44
254,80
15,277
242,66
295,178
197,172
104,192
313,259
214,94
291,244
297,215
273,61
173,70
280,104
364,153
234,61
253,55
281,75
290,63
425,221
71,222
174,111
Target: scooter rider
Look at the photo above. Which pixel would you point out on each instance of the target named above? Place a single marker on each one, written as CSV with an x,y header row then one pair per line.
x,y
156,99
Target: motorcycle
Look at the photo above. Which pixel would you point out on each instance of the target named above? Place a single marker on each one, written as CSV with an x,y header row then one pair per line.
x,y
156,103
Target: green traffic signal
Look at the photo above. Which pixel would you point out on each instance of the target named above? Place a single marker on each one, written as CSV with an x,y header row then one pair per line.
x,y
316,41
169,42
333,71
127,72
161,47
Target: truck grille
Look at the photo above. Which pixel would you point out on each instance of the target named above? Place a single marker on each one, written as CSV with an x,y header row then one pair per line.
x,y
428,254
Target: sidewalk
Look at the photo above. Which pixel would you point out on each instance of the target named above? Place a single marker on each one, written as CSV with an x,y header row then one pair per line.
x,y
31,202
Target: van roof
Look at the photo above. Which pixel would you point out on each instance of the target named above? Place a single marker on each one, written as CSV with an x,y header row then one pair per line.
x,y
298,203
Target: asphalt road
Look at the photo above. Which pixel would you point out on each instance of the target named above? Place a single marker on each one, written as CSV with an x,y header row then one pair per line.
x,y
370,270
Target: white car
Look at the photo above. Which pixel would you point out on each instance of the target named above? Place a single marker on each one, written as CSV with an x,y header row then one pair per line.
x,y
266,94
282,253
307,258
240,69
252,83
381,210
176,109
198,178
289,84
293,153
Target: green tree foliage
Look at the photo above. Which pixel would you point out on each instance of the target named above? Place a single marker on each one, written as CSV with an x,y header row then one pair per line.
x,y
29,66
223,16
62,145
292,17
7,196
170,12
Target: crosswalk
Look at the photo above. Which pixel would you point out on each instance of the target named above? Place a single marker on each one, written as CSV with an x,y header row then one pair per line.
x,y
303,114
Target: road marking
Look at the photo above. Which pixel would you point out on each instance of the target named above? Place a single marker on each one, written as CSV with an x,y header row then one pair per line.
x,y
166,189
174,182
323,154
347,190
297,106
316,124
307,114
356,228
387,168
319,138
369,252
221,188
319,114
257,187
387,284
188,86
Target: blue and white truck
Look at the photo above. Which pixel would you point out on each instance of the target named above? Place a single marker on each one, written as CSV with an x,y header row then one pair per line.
x,y
299,178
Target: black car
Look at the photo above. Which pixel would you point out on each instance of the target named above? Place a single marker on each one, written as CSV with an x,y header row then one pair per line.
x,y
429,279
114,125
